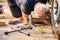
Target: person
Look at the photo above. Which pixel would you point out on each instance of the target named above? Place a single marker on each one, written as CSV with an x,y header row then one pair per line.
x,y
23,8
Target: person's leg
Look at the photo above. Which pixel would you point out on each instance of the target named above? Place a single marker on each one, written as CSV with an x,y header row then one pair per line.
x,y
26,10
15,10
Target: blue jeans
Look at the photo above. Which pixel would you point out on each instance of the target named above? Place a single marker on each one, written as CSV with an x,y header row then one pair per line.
x,y
15,10
16,6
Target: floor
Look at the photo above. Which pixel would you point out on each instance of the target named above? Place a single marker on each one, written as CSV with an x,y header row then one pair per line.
x,y
35,34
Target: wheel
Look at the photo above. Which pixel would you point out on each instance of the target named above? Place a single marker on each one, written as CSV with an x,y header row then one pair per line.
x,y
6,33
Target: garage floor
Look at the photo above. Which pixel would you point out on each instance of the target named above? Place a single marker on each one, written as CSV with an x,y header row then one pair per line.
x,y
35,35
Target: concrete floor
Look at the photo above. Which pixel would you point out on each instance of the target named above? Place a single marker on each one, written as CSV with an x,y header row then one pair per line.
x,y
35,35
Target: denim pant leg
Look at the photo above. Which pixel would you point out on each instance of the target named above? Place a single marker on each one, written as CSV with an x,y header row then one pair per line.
x,y
15,10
